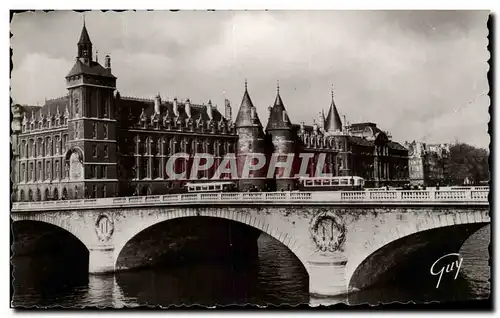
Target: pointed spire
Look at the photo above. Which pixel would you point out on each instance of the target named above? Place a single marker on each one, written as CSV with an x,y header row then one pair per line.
x,y
333,122
278,117
84,36
244,117
278,101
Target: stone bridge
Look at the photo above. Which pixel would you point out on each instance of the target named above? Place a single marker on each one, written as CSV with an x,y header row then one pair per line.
x,y
345,240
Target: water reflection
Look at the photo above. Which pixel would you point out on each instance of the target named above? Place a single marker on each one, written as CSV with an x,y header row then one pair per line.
x,y
275,277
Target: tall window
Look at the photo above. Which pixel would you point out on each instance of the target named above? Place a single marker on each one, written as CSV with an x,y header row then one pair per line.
x,y
23,171
40,171
77,128
104,191
65,142
105,151
94,130
96,172
94,151
105,131
32,172
57,170
105,106
58,150
105,172
77,107
94,191
48,145
47,170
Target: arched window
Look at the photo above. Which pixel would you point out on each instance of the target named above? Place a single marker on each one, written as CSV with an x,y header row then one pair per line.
x,y
76,192
47,195
21,195
56,194
38,195
64,194
30,195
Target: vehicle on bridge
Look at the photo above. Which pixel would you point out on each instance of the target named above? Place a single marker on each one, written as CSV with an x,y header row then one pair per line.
x,y
331,183
222,186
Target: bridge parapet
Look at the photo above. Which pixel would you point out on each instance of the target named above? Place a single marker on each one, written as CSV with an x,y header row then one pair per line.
x,y
391,197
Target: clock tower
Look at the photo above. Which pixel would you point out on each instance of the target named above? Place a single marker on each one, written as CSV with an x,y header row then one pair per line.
x,y
91,157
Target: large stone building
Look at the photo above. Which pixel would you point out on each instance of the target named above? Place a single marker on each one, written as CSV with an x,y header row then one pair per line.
x,y
428,163
95,143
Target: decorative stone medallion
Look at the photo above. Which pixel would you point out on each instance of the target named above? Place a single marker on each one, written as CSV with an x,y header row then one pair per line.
x,y
328,232
104,227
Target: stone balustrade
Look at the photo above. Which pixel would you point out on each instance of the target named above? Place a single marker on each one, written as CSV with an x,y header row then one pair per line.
x,y
391,197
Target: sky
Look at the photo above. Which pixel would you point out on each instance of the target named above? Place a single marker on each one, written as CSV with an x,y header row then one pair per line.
x,y
420,75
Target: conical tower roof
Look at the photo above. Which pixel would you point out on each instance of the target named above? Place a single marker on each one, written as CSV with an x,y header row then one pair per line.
x,y
84,36
333,122
278,116
247,114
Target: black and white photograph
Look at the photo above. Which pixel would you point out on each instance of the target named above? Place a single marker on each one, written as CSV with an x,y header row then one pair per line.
x,y
214,158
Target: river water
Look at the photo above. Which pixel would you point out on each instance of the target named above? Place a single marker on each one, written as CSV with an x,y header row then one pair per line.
x,y
275,278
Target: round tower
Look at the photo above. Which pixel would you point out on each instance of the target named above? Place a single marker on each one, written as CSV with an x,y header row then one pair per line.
x,y
279,128
250,148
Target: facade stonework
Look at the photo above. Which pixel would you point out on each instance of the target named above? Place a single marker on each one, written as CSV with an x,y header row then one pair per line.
x,y
93,142
428,163
331,241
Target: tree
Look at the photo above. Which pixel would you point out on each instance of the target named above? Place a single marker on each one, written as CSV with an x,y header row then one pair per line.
x,y
466,161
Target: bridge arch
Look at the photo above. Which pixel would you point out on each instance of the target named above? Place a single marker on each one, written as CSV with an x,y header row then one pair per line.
x,y
406,229
53,219
273,230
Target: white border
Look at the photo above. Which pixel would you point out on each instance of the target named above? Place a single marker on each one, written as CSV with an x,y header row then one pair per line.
x,y
185,4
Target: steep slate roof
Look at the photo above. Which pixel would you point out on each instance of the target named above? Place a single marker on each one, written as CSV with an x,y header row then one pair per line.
x,y
50,106
84,36
276,120
396,145
333,121
244,117
93,69
361,141
137,106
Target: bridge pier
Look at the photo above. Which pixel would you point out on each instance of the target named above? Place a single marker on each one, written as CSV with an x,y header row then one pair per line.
x,y
101,259
327,278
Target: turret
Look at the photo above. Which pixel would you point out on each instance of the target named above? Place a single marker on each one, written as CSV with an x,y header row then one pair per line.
x,y
85,46
250,144
333,124
279,128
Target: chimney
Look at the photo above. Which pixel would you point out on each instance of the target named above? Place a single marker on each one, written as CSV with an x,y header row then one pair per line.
x,y
107,62
187,107
228,111
175,107
157,103
209,110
